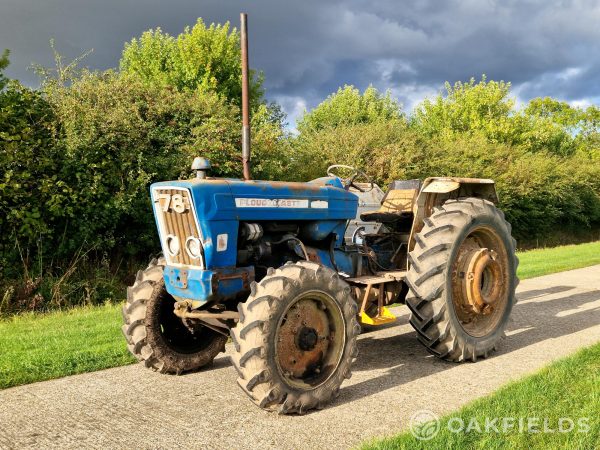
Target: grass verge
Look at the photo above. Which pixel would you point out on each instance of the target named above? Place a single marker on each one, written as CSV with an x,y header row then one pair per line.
x,y
535,263
36,347
568,389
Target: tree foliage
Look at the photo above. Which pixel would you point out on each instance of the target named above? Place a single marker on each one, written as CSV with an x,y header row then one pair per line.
x,y
200,58
3,65
30,190
468,108
77,155
545,179
349,107
579,128
487,108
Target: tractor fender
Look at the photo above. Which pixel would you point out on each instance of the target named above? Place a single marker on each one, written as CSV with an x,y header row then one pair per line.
x,y
436,190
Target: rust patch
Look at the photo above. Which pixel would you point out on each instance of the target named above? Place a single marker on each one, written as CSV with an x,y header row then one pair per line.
x,y
313,255
244,275
303,339
480,281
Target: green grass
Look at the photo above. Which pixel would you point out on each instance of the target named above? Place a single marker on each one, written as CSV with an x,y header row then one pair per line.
x,y
569,388
37,347
534,263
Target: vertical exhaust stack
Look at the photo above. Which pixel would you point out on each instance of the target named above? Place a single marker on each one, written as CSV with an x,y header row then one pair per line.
x,y
245,98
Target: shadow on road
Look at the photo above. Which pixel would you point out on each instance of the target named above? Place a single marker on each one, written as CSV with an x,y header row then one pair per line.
x,y
535,320
531,322
533,293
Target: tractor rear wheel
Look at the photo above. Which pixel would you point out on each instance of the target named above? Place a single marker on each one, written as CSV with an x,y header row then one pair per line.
x,y
296,338
156,336
462,279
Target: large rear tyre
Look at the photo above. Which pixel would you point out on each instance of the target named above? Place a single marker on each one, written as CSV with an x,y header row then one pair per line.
x,y
156,336
462,279
296,338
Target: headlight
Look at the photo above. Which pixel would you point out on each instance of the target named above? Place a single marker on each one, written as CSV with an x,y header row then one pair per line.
x,y
193,246
172,244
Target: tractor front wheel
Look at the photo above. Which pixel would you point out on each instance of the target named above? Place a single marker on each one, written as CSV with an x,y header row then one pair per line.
x,y
156,336
296,338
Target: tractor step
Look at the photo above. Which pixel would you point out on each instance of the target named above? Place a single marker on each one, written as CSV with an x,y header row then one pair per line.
x,y
378,278
377,282
382,318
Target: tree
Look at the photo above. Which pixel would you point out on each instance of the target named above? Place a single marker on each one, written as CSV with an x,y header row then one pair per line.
x,y
349,107
578,128
557,111
468,108
3,65
486,108
29,161
201,58
119,134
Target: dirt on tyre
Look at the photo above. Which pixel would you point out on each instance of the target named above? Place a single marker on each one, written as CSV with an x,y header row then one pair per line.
x,y
296,338
462,279
156,336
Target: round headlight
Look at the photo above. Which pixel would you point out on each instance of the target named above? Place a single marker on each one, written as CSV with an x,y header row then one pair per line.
x,y
194,247
172,244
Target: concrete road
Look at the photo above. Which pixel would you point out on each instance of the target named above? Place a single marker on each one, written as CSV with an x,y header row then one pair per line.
x,y
394,377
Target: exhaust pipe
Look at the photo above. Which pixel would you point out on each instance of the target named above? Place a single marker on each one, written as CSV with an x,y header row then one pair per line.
x,y
245,98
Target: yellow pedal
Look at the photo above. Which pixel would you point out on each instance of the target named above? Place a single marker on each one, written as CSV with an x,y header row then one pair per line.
x,y
385,317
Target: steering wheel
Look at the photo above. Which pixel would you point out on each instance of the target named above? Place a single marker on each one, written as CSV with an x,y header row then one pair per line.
x,y
350,182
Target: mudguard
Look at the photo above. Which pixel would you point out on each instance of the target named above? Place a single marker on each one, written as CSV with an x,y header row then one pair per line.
x,y
436,190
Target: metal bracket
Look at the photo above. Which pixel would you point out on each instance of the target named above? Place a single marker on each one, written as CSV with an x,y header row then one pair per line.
x,y
178,277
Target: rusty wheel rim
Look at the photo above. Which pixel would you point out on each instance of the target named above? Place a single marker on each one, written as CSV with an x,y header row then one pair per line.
x,y
480,281
310,340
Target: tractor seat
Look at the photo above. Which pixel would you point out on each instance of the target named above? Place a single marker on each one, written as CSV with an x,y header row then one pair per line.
x,y
385,216
397,205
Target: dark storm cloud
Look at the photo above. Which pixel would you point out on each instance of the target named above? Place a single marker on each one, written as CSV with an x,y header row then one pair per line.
x,y
307,49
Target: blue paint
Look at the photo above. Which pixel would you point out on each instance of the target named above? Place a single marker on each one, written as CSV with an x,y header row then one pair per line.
x,y
322,229
343,260
214,199
321,207
206,285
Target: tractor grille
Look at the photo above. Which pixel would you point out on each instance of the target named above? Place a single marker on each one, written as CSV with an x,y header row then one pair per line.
x,y
176,218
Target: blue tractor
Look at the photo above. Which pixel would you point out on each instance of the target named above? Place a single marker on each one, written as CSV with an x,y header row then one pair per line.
x,y
292,272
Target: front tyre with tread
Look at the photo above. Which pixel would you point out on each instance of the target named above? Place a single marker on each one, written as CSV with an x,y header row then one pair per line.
x,y
296,338
156,336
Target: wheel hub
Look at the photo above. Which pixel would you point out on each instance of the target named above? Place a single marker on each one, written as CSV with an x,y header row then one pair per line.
x,y
482,279
307,338
304,339
477,280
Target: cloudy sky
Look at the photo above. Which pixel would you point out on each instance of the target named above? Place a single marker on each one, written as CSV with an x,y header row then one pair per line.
x,y
308,48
